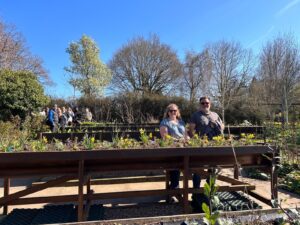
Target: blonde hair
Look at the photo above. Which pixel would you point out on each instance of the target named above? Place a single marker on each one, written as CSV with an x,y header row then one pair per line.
x,y
166,115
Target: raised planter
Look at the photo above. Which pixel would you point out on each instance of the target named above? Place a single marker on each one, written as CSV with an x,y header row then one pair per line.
x,y
82,165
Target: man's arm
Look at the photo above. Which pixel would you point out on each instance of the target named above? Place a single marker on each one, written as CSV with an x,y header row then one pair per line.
x,y
191,129
221,123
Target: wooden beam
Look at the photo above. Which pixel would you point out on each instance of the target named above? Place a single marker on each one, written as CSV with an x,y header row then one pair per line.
x,y
141,179
6,194
221,178
186,184
80,190
97,196
8,198
129,194
260,197
225,188
88,204
231,180
115,180
236,172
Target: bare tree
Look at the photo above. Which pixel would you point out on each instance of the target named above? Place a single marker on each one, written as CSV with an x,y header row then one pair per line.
x,y
231,66
145,66
196,74
280,71
14,54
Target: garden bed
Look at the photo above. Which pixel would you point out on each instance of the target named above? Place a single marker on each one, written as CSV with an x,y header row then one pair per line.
x,y
82,165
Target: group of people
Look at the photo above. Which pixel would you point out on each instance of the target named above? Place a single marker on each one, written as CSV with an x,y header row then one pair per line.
x,y
58,118
203,122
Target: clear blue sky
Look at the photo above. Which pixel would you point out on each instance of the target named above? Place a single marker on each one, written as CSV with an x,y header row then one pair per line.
x,y
49,26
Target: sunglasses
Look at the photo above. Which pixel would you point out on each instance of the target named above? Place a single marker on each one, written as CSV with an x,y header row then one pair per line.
x,y
204,103
173,110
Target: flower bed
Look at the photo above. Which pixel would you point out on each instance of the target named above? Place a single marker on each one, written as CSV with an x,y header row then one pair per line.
x,y
108,140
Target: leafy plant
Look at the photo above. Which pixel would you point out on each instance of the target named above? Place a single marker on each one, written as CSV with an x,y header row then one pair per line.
x,y
75,144
58,145
166,141
39,145
219,140
12,137
144,137
195,141
210,190
88,142
124,142
247,139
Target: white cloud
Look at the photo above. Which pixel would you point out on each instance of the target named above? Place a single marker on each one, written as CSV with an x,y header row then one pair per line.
x,y
287,7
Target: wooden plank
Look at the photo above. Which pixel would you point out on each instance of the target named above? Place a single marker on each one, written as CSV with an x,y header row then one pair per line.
x,y
274,183
225,188
80,190
236,172
6,194
142,179
8,198
260,197
231,180
129,194
186,185
88,205
221,178
97,196
115,180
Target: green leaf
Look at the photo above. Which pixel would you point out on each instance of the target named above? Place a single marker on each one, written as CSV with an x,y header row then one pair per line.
x,y
206,209
207,189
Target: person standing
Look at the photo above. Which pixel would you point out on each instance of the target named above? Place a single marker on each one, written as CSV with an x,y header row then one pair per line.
x,y
62,118
204,122
77,117
70,115
88,115
51,119
173,125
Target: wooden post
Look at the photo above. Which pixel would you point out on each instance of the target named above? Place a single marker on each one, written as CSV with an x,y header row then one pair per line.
x,y
274,175
6,193
186,184
167,182
274,183
80,190
89,194
88,185
236,172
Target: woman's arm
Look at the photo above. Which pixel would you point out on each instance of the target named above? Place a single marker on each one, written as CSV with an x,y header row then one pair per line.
x,y
163,131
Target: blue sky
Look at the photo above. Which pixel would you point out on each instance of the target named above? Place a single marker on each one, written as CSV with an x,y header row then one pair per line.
x,y
49,26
